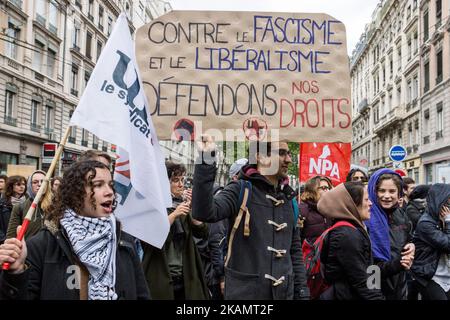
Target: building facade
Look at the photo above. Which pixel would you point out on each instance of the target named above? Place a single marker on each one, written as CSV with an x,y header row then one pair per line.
x,y
387,68
48,49
435,90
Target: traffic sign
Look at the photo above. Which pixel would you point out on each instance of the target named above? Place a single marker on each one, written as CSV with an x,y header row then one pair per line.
x,y
397,153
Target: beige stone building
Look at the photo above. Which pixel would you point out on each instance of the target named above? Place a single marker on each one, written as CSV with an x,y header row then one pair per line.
x,y
387,68
48,49
435,90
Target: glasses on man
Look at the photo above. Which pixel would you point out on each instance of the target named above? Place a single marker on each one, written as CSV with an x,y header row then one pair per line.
x,y
283,152
359,178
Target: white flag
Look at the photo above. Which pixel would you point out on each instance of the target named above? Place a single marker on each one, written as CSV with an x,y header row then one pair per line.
x,y
115,109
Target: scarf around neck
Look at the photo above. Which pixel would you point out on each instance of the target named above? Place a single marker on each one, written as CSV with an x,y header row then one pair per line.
x,y
94,242
15,200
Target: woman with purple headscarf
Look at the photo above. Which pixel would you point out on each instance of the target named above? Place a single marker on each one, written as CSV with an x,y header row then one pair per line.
x,y
390,233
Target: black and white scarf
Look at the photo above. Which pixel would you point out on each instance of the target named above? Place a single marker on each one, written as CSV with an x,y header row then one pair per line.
x,y
94,242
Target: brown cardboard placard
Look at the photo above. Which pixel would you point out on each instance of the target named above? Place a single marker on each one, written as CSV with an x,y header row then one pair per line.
x,y
248,72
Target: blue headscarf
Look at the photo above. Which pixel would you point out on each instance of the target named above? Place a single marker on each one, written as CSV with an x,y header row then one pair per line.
x,y
378,224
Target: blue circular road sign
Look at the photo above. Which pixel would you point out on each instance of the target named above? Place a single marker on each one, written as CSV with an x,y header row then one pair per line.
x,y
397,153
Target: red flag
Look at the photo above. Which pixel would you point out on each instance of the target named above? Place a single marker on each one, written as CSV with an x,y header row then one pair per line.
x,y
325,159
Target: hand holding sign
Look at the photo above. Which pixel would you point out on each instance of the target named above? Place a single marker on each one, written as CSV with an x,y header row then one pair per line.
x,y
207,149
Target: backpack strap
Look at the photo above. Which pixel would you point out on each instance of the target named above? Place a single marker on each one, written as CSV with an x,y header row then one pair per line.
x,y
244,194
246,190
339,224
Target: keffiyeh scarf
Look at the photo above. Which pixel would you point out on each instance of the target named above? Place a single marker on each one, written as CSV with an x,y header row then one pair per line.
x,y
94,242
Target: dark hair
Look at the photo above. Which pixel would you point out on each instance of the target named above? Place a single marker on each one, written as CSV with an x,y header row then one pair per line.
x,y
390,176
310,193
255,147
93,155
356,191
9,188
71,192
420,192
407,181
175,169
352,172
4,177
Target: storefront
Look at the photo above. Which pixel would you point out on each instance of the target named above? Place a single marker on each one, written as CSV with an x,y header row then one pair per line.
x,y
437,166
68,158
18,151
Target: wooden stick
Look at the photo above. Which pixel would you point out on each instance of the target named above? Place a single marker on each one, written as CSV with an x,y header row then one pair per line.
x,y
41,191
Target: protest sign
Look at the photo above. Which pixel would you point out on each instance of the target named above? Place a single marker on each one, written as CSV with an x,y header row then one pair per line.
x,y
248,72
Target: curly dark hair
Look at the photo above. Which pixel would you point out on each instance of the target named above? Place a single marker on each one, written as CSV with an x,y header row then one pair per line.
x,y
175,169
71,192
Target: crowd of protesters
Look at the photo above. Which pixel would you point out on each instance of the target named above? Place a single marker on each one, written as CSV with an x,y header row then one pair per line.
x,y
377,237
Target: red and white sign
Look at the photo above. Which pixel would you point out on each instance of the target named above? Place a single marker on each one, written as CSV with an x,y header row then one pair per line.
x,y
325,159
48,152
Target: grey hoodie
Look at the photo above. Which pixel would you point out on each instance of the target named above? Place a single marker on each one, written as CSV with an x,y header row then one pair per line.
x,y
30,192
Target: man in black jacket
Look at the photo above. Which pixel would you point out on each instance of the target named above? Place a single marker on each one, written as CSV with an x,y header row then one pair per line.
x,y
264,259
417,203
432,240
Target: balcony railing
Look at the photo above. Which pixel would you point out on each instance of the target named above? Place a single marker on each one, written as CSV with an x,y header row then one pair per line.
x,y
17,3
438,134
439,79
426,139
105,148
11,121
52,29
95,146
74,92
72,139
84,143
48,131
40,19
35,127
39,76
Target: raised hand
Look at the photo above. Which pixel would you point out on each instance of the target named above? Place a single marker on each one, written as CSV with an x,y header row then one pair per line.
x,y
14,252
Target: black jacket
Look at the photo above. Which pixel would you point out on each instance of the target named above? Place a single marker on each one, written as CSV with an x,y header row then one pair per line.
x,y
393,276
346,256
5,214
432,236
251,260
415,209
52,266
314,223
217,243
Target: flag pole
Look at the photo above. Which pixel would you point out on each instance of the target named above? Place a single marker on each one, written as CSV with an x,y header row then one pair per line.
x,y
41,191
